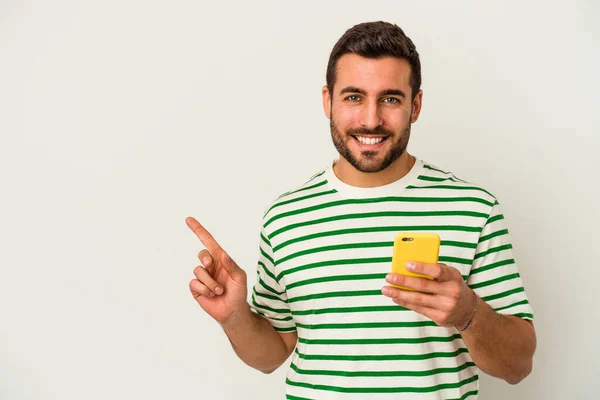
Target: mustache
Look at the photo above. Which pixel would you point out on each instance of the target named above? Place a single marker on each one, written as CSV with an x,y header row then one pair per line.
x,y
378,131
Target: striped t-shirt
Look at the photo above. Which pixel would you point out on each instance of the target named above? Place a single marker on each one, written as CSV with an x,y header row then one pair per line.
x,y
325,249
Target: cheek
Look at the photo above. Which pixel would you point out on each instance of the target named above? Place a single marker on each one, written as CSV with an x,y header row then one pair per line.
x,y
396,119
346,114
346,118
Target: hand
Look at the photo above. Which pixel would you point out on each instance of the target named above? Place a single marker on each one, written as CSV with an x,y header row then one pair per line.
x,y
446,300
220,286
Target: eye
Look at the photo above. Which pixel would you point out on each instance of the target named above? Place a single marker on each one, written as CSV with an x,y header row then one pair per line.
x,y
352,97
391,100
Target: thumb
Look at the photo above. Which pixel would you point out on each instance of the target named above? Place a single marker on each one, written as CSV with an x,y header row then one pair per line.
x,y
234,270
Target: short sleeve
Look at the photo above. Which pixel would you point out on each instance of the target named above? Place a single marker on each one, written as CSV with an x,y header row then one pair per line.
x,y
269,299
494,275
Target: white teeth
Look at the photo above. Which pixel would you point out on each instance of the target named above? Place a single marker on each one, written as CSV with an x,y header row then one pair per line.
x,y
365,140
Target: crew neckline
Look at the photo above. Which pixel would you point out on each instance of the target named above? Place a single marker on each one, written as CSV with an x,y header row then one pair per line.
x,y
390,189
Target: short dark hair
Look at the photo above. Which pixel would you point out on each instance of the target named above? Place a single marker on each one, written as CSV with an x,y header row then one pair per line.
x,y
376,40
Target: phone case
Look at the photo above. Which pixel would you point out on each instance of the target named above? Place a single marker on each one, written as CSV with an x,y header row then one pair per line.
x,y
420,247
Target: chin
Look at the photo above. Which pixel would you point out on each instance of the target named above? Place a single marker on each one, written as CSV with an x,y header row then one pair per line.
x,y
368,166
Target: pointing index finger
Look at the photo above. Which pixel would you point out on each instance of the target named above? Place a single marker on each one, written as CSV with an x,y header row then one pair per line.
x,y
205,237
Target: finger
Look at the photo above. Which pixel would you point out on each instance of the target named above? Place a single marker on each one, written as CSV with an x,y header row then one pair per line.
x,y
204,277
416,298
236,273
439,272
419,284
198,289
430,313
207,260
205,237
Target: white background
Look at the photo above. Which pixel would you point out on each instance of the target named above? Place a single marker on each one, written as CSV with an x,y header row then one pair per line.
x,y
118,119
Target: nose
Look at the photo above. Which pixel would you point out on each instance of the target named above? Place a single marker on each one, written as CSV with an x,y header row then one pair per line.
x,y
370,117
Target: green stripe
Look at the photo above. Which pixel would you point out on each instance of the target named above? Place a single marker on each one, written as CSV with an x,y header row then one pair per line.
x,y
434,178
268,296
503,294
518,303
369,245
492,266
468,394
379,229
377,215
494,281
269,288
328,263
370,201
523,315
431,167
495,218
335,279
317,175
327,295
336,247
458,244
353,261
381,357
290,397
290,329
312,178
368,325
493,250
288,318
266,308
425,389
304,188
268,272
451,177
335,310
455,260
493,235
266,256
449,187
264,239
383,373
310,196
429,339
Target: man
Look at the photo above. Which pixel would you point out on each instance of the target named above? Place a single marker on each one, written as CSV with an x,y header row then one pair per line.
x,y
323,288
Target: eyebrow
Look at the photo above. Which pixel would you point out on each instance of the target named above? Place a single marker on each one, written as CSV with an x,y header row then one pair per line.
x,y
386,92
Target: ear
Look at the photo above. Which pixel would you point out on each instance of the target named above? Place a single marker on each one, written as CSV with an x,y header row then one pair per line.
x,y
416,107
326,101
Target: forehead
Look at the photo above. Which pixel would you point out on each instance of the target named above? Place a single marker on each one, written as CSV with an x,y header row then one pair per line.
x,y
372,75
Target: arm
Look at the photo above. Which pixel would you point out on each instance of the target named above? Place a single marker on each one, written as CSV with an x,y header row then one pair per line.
x,y
220,288
500,345
494,275
256,342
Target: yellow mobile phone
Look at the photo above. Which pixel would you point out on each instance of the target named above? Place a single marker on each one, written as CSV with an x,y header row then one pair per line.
x,y
420,247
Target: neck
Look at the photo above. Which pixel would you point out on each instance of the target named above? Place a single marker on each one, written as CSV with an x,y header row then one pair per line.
x,y
353,177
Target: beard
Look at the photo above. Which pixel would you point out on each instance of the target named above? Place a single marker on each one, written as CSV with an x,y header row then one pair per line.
x,y
367,160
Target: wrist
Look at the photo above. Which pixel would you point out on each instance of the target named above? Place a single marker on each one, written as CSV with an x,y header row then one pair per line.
x,y
471,314
240,317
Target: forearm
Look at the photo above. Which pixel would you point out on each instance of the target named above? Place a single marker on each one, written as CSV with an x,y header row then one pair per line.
x,y
255,341
500,345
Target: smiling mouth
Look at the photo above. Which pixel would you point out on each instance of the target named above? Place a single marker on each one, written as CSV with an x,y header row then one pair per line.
x,y
370,140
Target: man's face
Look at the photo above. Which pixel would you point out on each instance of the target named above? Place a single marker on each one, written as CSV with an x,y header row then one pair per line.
x,y
371,111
